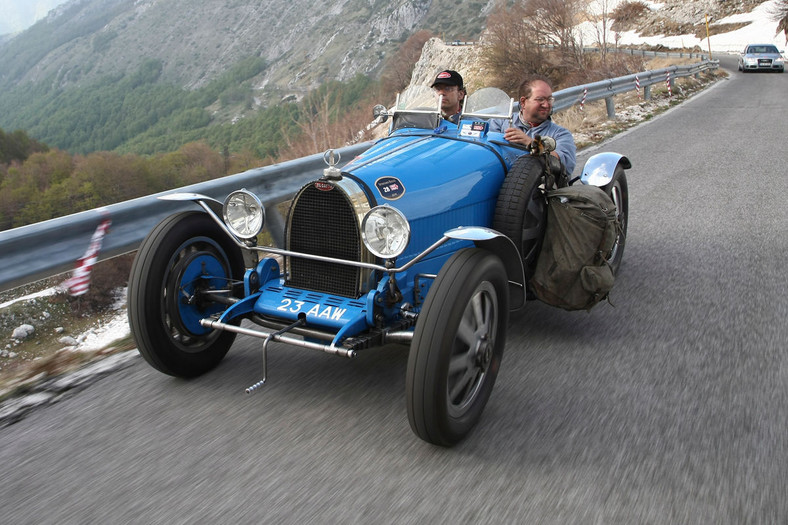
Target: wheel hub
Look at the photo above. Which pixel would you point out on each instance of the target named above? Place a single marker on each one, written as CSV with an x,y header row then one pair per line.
x,y
484,352
196,272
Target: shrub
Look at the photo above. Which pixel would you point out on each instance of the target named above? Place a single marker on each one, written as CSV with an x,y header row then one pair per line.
x,y
626,15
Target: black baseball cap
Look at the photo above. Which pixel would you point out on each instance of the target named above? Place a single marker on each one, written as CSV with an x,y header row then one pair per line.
x,y
448,77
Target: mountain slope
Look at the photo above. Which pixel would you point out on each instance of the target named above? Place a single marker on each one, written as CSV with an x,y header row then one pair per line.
x,y
303,42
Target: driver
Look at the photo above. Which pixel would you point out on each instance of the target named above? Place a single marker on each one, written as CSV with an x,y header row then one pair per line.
x,y
536,105
449,84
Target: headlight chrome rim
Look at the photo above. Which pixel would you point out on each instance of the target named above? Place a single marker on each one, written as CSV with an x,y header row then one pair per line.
x,y
385,232
243,214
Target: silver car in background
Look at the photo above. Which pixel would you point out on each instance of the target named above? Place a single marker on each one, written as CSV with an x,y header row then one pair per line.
x,y
761,57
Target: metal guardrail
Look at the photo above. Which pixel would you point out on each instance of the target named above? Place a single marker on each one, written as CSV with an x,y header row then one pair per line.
x,y
646,53
607,89
51,247
44,249
618,50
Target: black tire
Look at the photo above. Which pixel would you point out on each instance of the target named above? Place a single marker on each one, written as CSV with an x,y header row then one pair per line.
x,y
457,347
521,210
166,328
617,190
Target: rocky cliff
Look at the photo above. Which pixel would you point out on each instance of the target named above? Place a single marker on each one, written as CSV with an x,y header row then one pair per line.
x,y
436,55
304,43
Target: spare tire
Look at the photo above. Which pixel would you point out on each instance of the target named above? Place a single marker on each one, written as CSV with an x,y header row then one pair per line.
x,y
521,209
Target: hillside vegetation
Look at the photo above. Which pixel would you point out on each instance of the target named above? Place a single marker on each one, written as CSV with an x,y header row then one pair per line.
x,y
136,113
39,183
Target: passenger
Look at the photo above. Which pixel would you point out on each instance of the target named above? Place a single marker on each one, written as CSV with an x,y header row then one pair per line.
x,y
449,84
536,105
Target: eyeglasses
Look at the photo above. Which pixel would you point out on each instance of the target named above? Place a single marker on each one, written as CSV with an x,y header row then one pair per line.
x,y
542,100
445,87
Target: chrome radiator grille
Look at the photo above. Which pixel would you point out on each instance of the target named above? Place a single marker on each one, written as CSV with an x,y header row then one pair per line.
x,y
324,223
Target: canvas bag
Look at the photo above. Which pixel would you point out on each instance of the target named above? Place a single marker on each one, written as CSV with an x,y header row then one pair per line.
x,y
572,270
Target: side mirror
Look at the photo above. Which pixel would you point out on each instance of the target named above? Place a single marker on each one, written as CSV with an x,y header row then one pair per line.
x,y
379,112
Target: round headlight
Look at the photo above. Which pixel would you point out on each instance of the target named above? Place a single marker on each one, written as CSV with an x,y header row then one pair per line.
x,y
385,231
243,214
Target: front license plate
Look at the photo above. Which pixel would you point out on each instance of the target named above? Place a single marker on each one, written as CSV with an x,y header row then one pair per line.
x,y
319,309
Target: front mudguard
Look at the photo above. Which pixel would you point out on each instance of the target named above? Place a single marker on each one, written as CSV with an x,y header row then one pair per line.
x,y
214,209
600,168
502,246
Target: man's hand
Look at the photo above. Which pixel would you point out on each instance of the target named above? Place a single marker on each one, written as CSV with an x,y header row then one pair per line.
x,y
517,136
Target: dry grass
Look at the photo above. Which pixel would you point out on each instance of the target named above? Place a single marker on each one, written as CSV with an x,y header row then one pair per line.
x,y
41,355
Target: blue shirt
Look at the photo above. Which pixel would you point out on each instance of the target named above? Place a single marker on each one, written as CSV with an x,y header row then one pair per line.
x,y
564,141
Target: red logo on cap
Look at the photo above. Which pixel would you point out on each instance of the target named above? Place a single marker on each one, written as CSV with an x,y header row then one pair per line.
x,y
445,74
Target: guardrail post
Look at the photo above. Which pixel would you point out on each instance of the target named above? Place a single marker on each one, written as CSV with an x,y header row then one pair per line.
x,y
647,92
611,108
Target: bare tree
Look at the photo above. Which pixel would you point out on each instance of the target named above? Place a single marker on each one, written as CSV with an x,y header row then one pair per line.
x,y
779,14
321,127
399,67
599,13
511,49
554,21
532,36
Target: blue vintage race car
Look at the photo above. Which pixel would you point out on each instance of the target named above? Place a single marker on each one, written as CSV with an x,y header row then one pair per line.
x,y
427,240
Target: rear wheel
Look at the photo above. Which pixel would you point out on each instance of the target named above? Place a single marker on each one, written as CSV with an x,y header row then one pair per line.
x,y
521,210
617,190
184,256
457,347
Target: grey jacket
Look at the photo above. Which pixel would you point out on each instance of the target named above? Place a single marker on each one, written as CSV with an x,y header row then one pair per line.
x,y
564,141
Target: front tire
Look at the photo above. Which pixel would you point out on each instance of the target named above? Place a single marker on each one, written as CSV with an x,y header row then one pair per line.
x,y
521,210
185,254
457,347
618,192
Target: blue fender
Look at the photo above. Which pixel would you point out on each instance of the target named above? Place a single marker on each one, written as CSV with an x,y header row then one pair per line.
x,y
502,246
599,169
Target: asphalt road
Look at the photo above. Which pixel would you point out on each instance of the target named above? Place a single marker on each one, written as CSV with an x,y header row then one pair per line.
x,y
671,407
